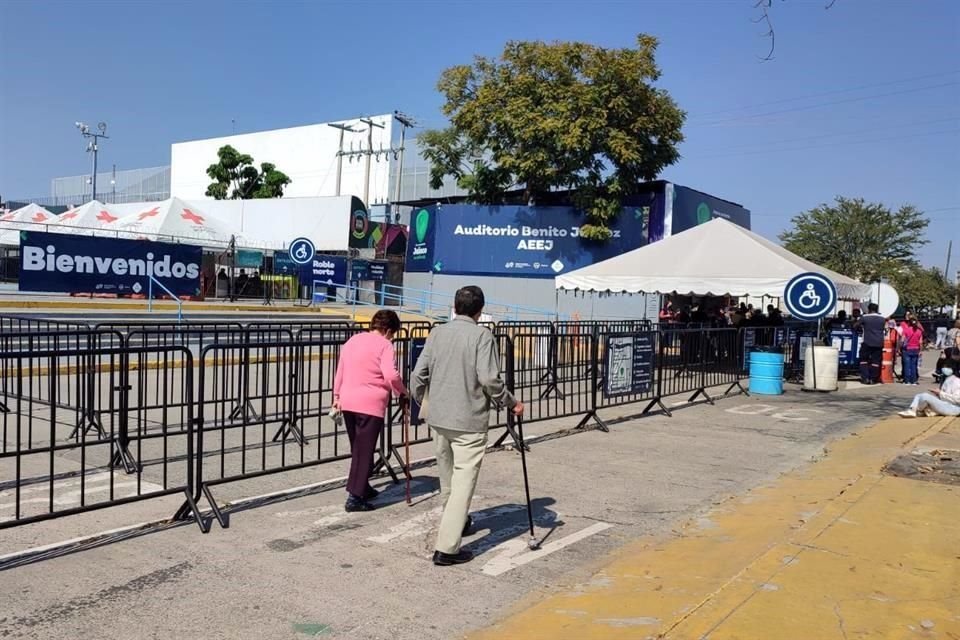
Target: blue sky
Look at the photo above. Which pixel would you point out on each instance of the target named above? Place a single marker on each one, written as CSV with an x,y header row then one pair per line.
x,y
861,100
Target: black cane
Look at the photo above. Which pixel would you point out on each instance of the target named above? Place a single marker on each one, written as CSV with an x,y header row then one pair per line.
x,y
532,543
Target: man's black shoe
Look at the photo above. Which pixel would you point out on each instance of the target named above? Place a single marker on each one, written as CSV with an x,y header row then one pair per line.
x,y
468,527
370,494
447,559
357,504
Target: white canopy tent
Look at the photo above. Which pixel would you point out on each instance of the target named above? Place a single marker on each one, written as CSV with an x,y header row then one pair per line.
x,y
715,258
32,217
91,216
173,219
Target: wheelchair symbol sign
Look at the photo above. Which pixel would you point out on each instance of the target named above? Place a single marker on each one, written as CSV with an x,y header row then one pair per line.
x,y
302,251
810,296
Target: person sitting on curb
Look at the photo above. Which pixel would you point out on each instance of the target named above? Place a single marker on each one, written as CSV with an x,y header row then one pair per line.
x,y
944,401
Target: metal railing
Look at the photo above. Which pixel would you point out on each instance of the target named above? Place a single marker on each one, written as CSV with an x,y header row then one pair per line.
x,y
150,282
145,410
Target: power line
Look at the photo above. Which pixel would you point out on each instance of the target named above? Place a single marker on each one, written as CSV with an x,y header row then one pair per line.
x,y
848,133
825,93
785,215
821,146
827,104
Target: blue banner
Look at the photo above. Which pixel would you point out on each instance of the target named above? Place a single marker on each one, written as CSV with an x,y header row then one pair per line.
x,y
366,270
848,343
283,264
83,264
248,259
420,246
378,271
325,269
691,208
532,242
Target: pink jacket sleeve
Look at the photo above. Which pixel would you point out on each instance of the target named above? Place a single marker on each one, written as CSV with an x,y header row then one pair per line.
x,y
338,379
388,367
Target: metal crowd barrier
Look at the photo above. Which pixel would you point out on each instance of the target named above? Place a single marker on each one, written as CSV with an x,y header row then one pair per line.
x,y
134,411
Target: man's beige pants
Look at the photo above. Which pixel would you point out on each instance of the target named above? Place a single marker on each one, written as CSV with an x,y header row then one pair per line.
x,y
459,456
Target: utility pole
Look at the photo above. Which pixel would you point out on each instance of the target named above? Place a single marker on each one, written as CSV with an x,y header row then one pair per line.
x,y
342,128
405,121
93,147
946,269
369,153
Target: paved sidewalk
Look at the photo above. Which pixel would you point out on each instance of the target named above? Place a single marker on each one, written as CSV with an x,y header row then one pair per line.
x,y
836,550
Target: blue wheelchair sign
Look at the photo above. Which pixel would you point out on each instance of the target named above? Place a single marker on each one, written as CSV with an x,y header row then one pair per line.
x,y
302,251
810,296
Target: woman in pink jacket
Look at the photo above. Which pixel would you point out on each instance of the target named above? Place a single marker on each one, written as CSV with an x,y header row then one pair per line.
x,y
912,335
366,376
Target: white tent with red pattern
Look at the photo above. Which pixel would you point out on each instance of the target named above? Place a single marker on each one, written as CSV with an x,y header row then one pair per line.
x,y
31,214
93,215
173,219
32,217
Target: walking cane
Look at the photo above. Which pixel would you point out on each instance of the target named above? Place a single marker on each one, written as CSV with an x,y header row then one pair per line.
x,y
406,443
532,543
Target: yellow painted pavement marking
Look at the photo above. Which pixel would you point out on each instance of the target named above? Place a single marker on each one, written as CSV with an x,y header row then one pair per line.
x,y
836,550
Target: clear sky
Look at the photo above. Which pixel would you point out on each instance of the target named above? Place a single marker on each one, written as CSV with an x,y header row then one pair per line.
x,y
862,99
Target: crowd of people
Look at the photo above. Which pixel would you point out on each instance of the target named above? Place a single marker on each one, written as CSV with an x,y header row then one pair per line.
x,y
720,316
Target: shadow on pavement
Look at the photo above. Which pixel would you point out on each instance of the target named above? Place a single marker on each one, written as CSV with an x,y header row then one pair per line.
x,y
509,521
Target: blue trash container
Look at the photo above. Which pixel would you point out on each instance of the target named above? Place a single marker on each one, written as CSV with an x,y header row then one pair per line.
x,y
766,371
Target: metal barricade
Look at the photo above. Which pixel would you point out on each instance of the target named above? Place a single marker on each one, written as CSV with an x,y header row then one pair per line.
x,y
82,472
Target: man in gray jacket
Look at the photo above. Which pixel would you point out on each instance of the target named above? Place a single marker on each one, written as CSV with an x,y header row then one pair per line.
x,y
459,372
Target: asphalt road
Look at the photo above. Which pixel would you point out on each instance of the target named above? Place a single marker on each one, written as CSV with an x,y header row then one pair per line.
x,y
297,567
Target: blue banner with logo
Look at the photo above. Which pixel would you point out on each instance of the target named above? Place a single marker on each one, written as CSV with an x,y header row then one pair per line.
x,y
63,263
532,242
691,208
325,269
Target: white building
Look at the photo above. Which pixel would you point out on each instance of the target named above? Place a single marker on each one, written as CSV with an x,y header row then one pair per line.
x,y
309,155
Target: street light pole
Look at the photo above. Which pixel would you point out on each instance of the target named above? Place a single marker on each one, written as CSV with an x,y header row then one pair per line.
x,y
93,147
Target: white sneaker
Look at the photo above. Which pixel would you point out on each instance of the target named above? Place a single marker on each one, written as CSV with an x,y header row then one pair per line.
x,y
908,413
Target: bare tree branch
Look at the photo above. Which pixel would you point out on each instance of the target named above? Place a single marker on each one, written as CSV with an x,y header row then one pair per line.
x,y
764,7
764,18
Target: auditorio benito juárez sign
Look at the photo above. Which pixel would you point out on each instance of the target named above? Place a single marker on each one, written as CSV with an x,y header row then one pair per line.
x,y
81,264
537,242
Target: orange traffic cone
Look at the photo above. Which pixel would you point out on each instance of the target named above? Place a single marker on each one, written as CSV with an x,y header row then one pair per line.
x,y
889,350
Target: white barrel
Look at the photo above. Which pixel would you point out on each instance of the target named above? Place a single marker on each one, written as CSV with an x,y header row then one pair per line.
x,y
826,362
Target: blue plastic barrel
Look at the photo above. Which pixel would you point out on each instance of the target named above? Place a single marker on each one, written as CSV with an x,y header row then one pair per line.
x,y
766,371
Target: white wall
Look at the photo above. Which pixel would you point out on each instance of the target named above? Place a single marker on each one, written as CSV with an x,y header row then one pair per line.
x,y
308,155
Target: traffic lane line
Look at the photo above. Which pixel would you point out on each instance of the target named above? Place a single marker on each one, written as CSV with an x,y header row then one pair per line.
x,y
514,553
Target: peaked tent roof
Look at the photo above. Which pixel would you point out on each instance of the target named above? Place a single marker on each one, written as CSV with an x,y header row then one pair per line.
x,y
714,258
173,218
92,215
32,217
32,213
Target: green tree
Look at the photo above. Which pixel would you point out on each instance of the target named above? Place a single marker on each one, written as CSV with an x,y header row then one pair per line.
x,y
859,239
564,115
921,289
237,178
